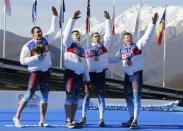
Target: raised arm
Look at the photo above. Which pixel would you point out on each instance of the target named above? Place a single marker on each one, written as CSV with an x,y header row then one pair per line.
x,y
108,28
67,39
147,35
54,26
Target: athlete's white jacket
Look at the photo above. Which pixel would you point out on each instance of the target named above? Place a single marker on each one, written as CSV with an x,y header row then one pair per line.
x,y
74,56
134,52
97,56
28,56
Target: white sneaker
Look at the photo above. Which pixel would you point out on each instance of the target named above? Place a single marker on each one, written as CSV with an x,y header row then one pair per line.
x,y
17,122
42,124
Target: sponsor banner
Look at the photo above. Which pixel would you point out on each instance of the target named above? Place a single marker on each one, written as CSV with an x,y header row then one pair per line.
x,y
10,99
56,100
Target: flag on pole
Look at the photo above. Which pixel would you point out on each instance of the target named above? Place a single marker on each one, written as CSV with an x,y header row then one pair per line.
x,y
34,11
136,30
88,18
137,23
62,10
113,19
7,7
160,28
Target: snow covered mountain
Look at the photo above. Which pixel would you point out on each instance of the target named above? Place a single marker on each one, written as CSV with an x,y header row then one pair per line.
x,y
94,22
126,20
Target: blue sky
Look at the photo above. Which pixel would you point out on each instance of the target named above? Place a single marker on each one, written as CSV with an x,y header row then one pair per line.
x,y
21,22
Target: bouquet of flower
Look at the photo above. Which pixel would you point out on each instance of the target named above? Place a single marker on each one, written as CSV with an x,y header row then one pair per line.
x,y
39,49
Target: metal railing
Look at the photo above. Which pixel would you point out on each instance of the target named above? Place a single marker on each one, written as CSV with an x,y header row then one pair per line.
x,y
114,85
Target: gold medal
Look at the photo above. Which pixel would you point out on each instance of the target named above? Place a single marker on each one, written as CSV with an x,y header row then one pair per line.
x,y
96,58
79,59
129,62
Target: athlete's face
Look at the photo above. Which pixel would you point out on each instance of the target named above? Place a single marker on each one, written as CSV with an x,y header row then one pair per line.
x,y
95,38
76,36
37,34
127,39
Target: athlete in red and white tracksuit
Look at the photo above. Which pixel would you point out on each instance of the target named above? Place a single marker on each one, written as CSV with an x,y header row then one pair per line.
x,y
38,64
132,57
97,59
76,70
